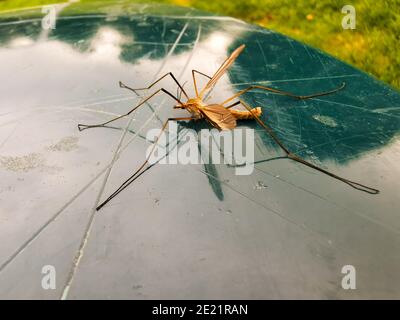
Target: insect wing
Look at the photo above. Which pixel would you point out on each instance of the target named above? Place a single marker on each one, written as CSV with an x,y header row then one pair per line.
x,y
222,69
219,117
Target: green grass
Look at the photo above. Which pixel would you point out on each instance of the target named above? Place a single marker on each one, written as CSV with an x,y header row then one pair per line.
x,y
372,46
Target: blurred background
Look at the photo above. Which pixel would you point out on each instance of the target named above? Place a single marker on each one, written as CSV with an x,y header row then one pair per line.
x,y
373,46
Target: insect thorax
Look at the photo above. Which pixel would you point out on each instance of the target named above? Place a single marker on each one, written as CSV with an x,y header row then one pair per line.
x,y
193,106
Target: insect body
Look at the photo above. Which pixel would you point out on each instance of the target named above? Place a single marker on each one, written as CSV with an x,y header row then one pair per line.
x,y
220,116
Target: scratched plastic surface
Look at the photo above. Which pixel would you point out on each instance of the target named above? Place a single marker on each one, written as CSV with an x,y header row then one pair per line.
x,y
187,231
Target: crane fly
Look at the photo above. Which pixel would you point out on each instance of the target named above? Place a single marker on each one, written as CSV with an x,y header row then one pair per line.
x,y
220,116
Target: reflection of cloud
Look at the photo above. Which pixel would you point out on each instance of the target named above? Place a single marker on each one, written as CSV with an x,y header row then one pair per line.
x,y
207,57
20,42
216,47
218,42
106,44
57,67
49,70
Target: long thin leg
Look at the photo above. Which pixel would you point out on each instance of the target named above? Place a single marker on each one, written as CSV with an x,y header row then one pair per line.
x,y
158,80
139,171
85,126
233,104
196,89
294,157
194,80
284,92
179,92
122,85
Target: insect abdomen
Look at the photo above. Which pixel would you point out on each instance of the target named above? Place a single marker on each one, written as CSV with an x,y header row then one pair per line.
x,y
245,114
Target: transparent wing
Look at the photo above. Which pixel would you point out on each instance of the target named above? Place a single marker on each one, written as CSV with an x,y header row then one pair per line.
x,y
221,70
219,117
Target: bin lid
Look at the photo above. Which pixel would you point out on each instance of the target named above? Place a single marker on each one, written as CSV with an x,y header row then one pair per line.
x,y
193,231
